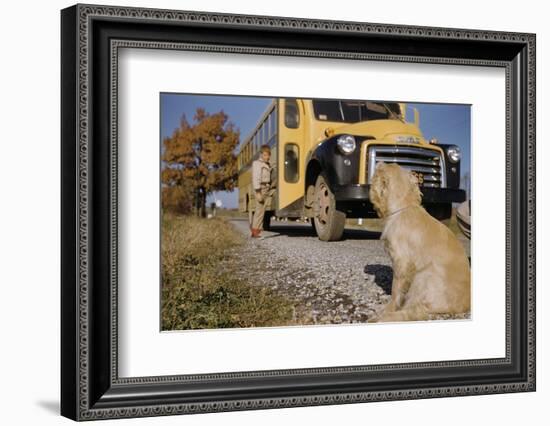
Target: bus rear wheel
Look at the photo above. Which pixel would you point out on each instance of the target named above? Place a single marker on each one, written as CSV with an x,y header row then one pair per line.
x,y
328,222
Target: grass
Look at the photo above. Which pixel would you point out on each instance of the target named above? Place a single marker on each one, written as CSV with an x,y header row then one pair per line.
x,y
197,293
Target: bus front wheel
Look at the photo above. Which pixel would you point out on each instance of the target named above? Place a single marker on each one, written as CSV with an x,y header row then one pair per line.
x,y
328,222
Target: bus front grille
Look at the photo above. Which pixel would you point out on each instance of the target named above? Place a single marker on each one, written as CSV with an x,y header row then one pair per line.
x,y
427,164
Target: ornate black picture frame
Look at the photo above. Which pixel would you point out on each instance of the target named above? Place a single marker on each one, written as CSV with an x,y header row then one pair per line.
x,y
90,386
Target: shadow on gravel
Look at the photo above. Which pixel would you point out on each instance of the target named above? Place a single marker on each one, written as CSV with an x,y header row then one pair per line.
x,y
360,234
265,237
383,276
307,231
293,230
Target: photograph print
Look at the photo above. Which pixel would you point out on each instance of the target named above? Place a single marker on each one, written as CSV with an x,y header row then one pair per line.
x,y
281,212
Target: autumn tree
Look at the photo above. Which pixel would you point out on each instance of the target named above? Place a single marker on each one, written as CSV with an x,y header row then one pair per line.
x,y
199,158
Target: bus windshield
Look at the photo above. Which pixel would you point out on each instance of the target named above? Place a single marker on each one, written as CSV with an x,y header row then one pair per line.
x,y
355,111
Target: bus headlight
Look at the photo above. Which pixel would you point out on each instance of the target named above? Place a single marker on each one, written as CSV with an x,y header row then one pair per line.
x,y
346,144
454,153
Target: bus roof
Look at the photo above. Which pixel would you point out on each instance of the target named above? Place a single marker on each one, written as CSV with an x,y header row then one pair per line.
x,y
258,123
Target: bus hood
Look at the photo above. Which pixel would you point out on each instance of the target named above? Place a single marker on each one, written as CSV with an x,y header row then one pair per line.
x,y
379,129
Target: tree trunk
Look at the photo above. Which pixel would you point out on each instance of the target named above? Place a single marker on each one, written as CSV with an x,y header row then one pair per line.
x,y
203,205
201,202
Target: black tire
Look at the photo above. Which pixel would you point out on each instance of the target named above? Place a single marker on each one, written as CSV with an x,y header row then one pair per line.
x,y
441,211
312,222
328,222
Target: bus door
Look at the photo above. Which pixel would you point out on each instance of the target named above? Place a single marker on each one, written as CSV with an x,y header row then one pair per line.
x,y
290,151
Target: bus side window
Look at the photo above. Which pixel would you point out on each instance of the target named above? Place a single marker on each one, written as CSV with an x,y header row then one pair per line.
x,y
264,133
273,124
292,173
292,116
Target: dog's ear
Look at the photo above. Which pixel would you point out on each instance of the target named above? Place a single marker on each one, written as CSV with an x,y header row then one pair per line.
x,y
413,178
379,165
383,181
415,185
380,170
379,188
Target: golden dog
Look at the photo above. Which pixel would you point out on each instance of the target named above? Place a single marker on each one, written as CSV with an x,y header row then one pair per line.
x,y
431,273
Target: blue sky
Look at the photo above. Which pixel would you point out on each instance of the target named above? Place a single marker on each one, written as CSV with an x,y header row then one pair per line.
x,y
449,123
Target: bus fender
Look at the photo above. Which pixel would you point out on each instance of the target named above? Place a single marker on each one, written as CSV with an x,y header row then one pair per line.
x,y
339,169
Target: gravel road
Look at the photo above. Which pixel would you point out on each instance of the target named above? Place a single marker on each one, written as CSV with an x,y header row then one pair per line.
x,y
345,281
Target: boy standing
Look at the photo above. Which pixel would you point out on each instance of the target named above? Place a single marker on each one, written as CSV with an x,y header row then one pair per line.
x,y
263,190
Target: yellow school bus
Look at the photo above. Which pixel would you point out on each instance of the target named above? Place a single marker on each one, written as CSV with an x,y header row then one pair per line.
x,y
324,152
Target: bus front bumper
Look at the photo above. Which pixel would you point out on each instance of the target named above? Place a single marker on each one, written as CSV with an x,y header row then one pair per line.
x,y
429,195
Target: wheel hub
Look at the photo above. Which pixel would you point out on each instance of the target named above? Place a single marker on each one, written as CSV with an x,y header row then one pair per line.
x,y
323,201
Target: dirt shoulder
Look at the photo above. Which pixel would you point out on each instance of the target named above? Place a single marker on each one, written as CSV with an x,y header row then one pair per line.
x,y
346,281
339,282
